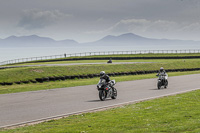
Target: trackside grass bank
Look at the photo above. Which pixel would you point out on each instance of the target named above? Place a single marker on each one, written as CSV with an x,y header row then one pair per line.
x,y
89,58
77,82
175,114
31,73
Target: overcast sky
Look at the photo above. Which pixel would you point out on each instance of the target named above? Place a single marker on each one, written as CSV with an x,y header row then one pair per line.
x,y
90,20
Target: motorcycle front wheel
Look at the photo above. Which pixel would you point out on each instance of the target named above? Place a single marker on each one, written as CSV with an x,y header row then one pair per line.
x,y
166,84
114,96
102,95
159,85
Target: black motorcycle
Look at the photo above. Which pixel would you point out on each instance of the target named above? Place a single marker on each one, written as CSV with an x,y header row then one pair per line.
x,y
106,90
162,80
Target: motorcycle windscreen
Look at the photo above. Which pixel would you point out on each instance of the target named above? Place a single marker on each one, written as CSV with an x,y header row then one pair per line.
x,y
166,76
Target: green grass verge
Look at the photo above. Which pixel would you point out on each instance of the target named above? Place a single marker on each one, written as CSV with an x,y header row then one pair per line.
x,y
87,61
78,82
30,73
109,56
99,61
63,62
174,114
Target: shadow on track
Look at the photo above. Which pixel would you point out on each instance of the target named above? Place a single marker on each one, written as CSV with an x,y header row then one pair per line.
x,y
99,100
158,89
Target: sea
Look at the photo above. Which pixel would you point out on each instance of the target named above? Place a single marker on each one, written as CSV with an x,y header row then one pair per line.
x,y
11,53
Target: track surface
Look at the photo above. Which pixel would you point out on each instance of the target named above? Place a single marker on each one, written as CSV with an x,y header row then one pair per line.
x,y
28,106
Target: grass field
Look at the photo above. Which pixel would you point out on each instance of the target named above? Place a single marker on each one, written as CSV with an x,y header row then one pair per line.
x,y
30,73
82,61
174,114
102,56
99,61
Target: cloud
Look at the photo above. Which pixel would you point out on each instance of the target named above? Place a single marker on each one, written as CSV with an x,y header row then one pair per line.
x,y
153,29
36,19
139,25
157,28
143,25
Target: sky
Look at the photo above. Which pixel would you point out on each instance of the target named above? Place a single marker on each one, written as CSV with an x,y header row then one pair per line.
x,y
91,20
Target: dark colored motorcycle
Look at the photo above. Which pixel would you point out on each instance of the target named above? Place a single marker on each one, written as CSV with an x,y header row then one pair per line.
x,y
106,90
162,81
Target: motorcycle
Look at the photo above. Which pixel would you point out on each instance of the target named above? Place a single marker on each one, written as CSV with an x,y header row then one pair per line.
x,y
106,90
162,81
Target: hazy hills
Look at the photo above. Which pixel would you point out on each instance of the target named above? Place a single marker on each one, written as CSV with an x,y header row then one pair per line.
x,y
34,41
128,39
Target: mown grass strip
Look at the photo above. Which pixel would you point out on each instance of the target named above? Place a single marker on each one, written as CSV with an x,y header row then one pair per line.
x,y
31,73
89,61
48,79
180,113
77,82
108,56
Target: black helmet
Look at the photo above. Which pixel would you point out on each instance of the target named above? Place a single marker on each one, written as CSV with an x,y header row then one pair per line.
x,y
161,69
102,74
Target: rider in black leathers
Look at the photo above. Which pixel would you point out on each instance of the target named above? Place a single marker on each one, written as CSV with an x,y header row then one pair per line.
x,y
103,75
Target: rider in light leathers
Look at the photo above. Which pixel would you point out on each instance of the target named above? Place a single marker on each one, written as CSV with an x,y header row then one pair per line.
x,y
162,72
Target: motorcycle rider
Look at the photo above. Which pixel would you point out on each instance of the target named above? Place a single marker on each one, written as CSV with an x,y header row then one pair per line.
x,y
162,72
103,75
108,86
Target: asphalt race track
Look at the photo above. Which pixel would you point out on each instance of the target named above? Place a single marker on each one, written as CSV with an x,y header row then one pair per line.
x,y
19,108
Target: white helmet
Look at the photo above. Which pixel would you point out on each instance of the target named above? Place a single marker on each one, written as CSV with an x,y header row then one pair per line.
x,y
161,69
102,74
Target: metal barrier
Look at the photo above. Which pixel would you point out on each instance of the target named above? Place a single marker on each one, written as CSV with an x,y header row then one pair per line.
x,y
99,53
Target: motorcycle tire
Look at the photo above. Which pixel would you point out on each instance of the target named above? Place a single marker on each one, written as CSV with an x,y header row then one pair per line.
x,y
114,96
102,95
166,84
159,85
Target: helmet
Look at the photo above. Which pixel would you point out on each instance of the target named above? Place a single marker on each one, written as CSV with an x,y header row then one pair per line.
x,y
102,74
161,69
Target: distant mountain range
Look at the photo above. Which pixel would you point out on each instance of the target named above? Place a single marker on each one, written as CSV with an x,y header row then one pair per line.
x,y
128,39
34,41
131,39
